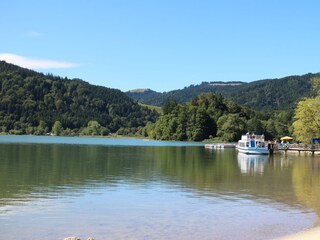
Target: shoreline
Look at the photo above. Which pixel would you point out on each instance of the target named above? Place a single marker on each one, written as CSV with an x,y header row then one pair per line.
x,y
308,234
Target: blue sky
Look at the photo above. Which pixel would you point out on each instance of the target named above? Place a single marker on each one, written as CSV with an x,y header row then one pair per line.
x,y
162,45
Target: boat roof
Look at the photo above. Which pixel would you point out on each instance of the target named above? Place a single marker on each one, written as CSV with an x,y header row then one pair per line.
x,y
252,136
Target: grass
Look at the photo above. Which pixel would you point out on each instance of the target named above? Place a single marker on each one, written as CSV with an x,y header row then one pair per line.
x,y
156,108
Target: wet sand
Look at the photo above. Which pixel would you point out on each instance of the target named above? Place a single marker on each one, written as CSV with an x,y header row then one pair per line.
x,y
310,234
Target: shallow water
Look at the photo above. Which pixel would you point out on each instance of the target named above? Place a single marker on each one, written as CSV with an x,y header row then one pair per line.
x,y
54,187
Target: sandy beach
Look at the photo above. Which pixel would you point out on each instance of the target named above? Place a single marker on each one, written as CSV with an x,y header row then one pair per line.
x,y
310,234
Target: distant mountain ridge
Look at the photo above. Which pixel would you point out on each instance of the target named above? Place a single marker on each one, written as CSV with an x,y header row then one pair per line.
x,y
31,101
144,95
184,95
262,95
140,90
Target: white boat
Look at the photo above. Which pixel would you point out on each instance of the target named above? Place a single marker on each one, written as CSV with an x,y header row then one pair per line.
x,y
252,144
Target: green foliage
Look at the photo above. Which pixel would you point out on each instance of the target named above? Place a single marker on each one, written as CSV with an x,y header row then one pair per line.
x,y
57,128
182,95
169,106
209,116
255,125
41,129
231,127
316,85
151,107
31,103
307,115
94,129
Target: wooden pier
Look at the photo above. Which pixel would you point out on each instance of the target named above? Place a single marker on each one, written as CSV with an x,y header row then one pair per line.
x,y
311,151
219,145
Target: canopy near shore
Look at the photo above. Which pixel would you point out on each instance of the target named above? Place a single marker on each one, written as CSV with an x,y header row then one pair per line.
x,y
286,138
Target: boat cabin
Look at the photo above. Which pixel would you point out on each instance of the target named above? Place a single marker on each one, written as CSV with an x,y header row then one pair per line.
x,y
252,141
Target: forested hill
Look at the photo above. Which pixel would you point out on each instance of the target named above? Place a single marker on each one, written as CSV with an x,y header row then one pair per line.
x,y
263,95
273,94
146,96
181,96
32,102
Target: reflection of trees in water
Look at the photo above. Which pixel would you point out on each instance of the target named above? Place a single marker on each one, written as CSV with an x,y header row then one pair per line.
x,y
219,172
306,182
192,167
28,170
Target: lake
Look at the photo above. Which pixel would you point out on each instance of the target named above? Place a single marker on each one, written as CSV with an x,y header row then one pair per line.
x,y
55,187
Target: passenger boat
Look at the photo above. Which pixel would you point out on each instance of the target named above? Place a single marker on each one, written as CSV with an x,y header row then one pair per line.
x,y
252,144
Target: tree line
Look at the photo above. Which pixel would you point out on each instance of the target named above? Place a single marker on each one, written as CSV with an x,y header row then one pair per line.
x,y
210,116
263,95
35,103
306,123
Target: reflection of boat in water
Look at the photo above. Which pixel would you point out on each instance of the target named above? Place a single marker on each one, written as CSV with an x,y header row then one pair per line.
x,y
252,163
252,144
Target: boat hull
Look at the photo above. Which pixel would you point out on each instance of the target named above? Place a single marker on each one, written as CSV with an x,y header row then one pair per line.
x,y
254,151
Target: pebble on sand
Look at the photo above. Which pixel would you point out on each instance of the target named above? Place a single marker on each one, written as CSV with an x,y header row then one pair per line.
x,y
76,238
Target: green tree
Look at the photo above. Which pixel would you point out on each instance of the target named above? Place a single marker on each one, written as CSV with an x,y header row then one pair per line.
x,y
204,126
307,123
169,106
231,127
57,128
316,84
94,129
41,129
255,125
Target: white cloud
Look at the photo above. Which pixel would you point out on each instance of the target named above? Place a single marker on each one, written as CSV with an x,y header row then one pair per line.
x,y
35,63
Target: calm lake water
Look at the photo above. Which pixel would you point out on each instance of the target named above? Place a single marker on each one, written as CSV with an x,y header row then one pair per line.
x,y
55,187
